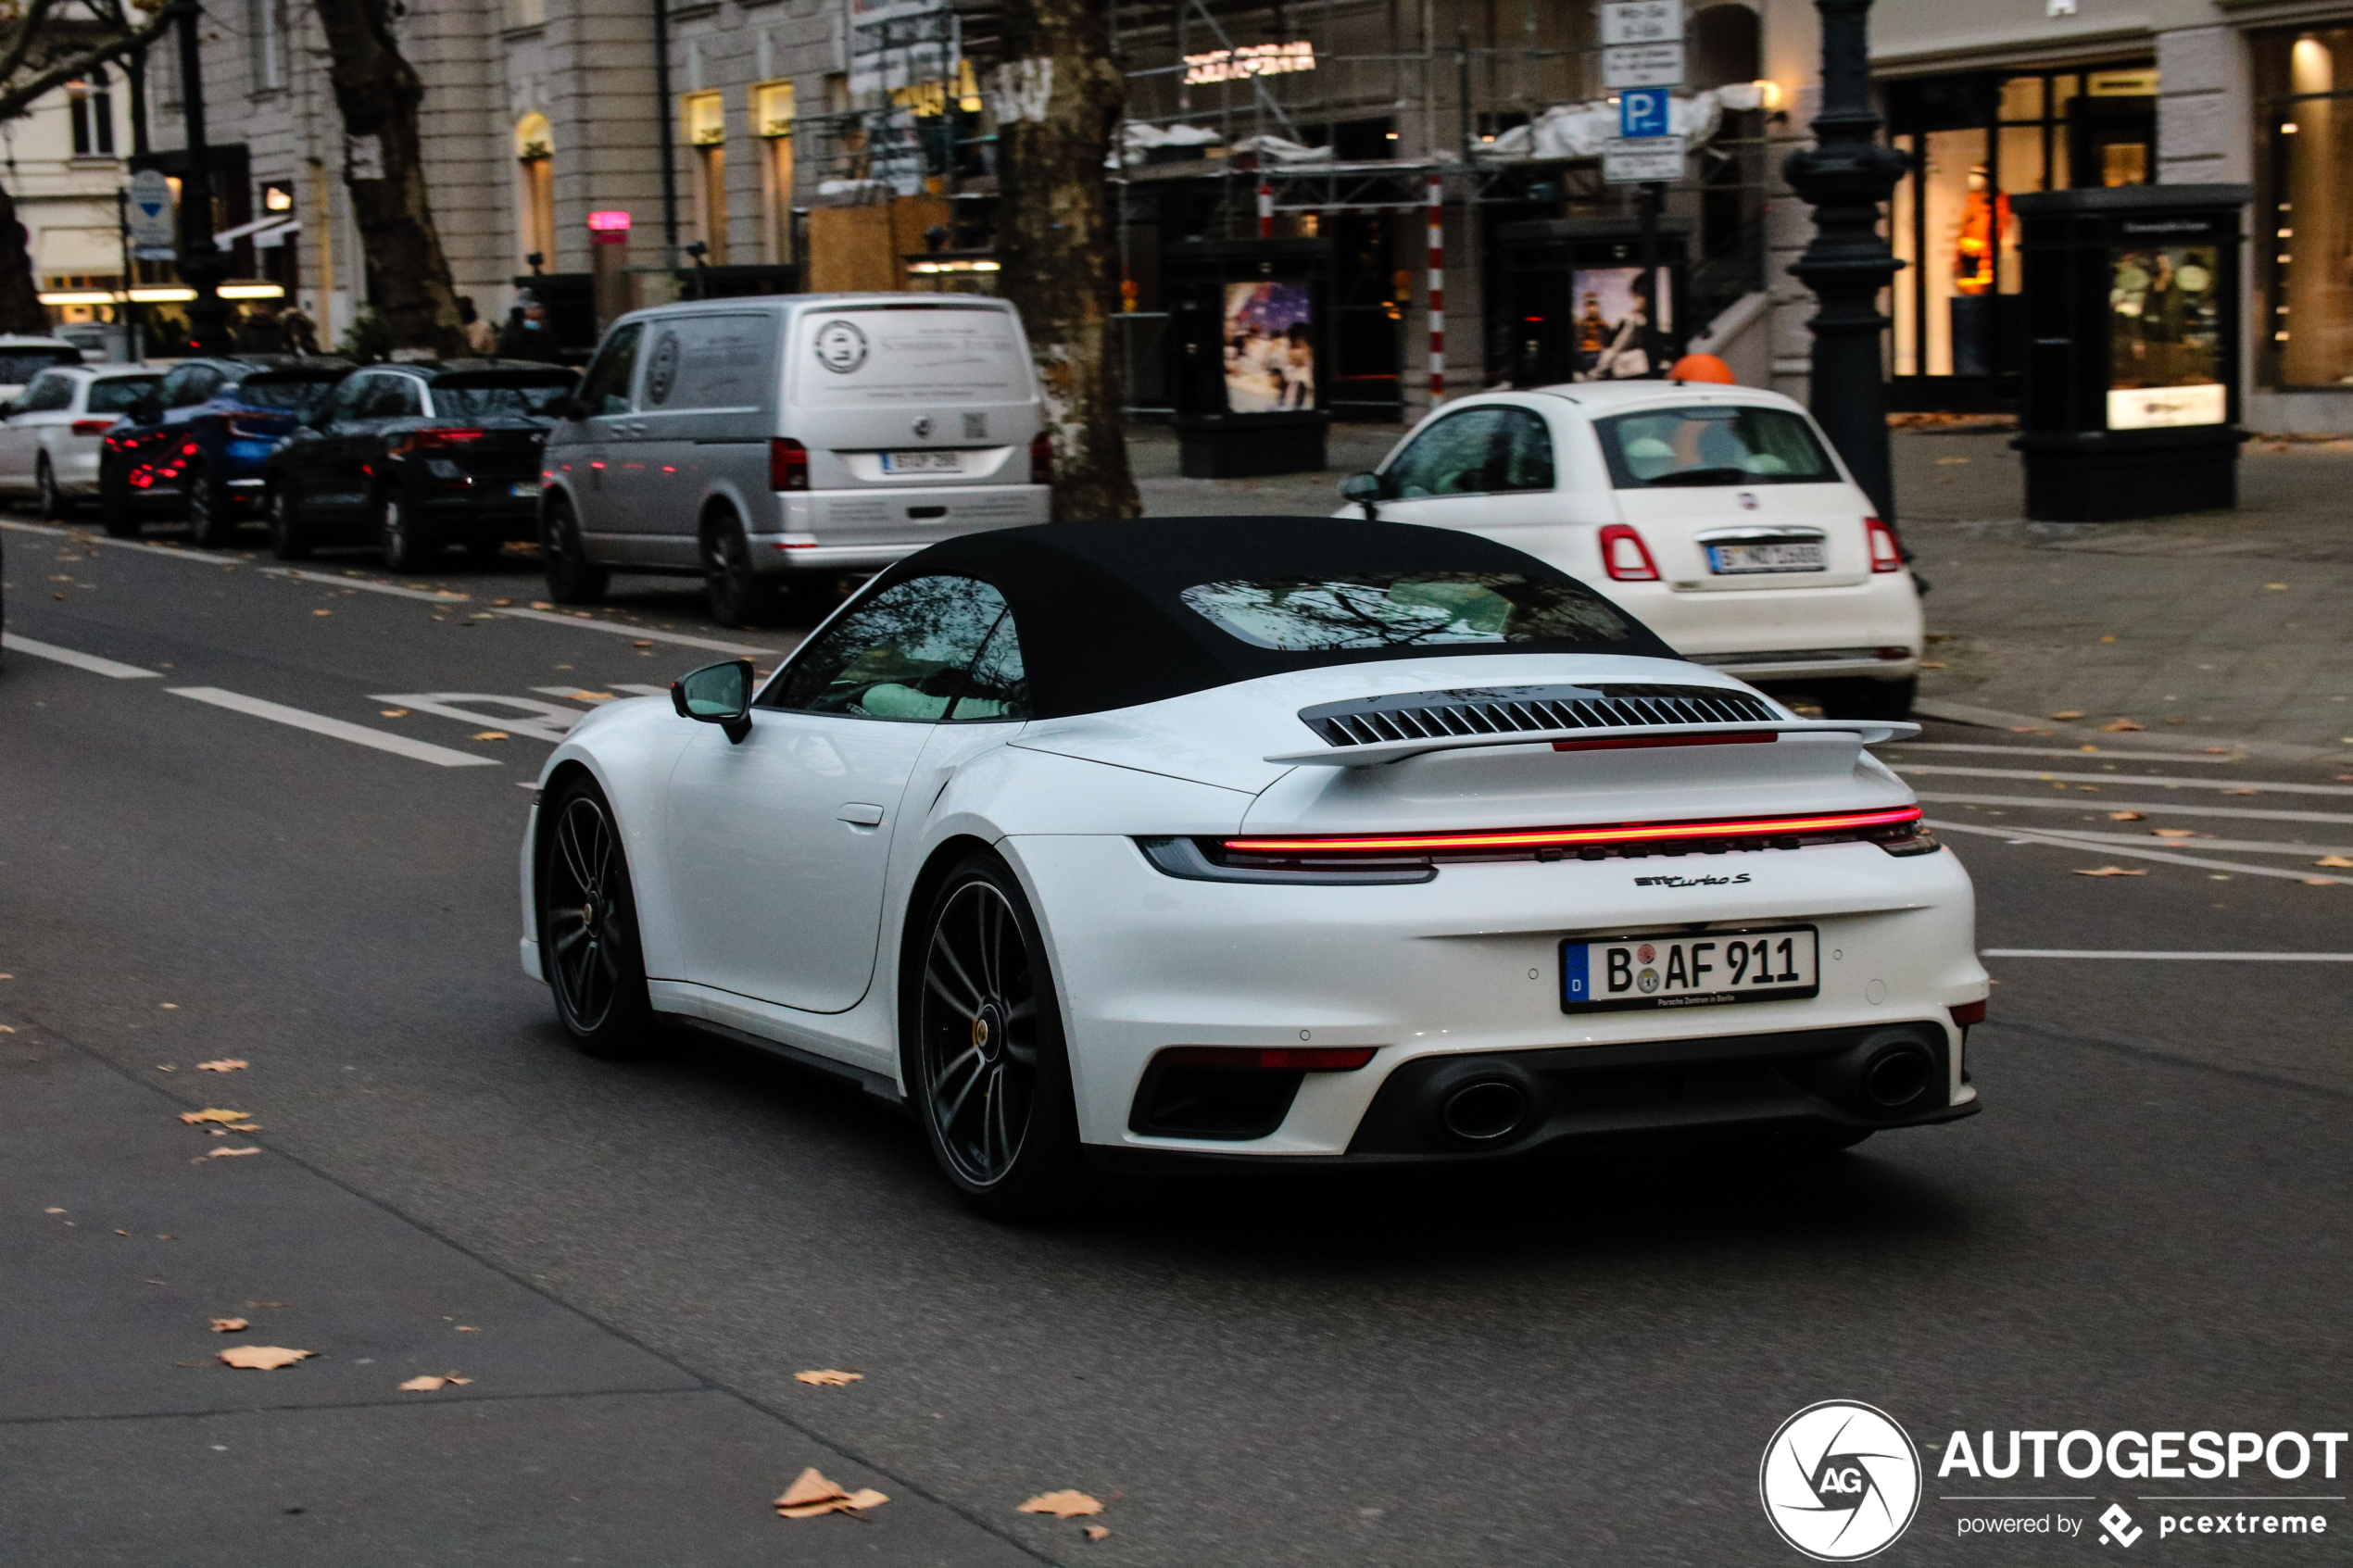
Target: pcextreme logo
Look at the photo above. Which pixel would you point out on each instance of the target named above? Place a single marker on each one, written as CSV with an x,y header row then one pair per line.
x,y
1840,1481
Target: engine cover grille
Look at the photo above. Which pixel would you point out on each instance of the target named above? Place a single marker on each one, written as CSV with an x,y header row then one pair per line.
x,y
1489,710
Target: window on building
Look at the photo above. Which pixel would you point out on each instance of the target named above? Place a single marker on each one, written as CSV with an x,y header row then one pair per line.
x,y
2303,228
706,121
266,41
771,118
535,189
92,103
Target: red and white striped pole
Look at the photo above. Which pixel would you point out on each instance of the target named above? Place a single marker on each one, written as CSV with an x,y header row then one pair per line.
x,y
1265,207
1437,297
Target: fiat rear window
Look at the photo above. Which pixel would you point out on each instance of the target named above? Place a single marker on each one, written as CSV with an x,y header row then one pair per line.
x,y
1704,445
1374,609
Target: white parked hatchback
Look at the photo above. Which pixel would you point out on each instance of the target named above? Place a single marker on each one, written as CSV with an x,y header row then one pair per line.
x,y
1718,516
50,436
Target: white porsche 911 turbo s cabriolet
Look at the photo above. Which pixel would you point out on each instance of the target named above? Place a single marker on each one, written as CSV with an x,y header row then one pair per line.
x,y
1295,839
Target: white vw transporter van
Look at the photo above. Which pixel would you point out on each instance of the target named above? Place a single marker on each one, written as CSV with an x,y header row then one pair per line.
x,y
780,441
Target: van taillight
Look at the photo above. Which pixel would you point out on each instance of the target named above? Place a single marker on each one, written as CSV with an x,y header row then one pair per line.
x,y
1886,553
1041,458
1625,557
787,464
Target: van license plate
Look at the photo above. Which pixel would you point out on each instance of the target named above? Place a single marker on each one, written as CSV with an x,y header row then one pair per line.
x,y
923,462
1797,555
1708,969
524,489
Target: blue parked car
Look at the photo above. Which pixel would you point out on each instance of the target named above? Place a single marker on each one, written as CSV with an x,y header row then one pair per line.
x,y
195,449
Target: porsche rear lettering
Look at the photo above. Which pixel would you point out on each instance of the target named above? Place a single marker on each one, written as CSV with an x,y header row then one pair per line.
x,y
1691,881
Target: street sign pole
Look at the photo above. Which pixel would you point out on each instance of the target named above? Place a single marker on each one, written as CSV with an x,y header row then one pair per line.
x,y
1642,57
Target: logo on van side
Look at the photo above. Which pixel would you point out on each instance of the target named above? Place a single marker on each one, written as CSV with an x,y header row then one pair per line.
x,y
661,370
842,347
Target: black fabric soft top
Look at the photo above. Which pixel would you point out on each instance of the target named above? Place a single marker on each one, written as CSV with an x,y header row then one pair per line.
x,y
1102,625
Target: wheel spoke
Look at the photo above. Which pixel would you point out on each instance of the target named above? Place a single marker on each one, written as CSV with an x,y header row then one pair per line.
x,y
1002,1140
941,946
955,1108
568,844
991,933
571,939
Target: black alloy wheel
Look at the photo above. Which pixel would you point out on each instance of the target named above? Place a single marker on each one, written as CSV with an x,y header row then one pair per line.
x,y
988,1066
588,945
572,578
738,595
212,522
54,504
406,546
287,541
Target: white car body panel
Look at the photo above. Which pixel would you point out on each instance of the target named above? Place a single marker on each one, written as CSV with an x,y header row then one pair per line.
x,y
1144,960
1730,619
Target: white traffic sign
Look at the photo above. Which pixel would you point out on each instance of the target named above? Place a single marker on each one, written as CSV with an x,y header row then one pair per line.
x,y
1642,21
150,217
1642,64
1643,159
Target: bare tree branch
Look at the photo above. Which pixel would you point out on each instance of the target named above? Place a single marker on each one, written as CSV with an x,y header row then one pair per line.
x,y
15,100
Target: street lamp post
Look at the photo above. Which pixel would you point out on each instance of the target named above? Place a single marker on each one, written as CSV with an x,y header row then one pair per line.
x,y
202,267
1845,176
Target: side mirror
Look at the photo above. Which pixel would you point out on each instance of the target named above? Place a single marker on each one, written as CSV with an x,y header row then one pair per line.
x,y
716,693
1366,490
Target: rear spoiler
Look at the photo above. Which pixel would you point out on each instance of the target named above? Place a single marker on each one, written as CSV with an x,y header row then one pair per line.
x,y
1629,738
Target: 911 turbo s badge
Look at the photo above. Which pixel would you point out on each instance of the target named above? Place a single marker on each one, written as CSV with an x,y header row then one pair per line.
x,y
1691,881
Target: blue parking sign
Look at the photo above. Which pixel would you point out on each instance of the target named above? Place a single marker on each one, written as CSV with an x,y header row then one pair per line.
x,y
1641,111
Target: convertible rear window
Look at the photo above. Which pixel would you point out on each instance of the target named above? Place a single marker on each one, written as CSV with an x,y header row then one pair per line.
x,y
298,394
1381,610
1718,444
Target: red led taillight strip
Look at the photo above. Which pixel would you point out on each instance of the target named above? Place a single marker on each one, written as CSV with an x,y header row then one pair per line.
x,y
1625,833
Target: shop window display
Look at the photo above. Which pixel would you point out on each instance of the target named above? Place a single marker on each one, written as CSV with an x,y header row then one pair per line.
x,y
2307,336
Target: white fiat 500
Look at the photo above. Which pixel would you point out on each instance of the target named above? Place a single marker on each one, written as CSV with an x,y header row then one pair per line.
x,y
1717,514
1301,839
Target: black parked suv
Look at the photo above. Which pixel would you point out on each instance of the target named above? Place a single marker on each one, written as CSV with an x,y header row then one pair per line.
x,y
195,448
415,458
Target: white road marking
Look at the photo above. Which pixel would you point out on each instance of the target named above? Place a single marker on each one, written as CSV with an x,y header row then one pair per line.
x,y
2202,958
540,721
440,596
592,624
2203,845
89,661
320,724
2056,842
2146,808
143,547
2137,780
636,689
2096,754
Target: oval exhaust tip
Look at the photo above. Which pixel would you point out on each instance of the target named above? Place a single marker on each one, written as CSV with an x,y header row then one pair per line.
x,y
1898,1076
1485,1112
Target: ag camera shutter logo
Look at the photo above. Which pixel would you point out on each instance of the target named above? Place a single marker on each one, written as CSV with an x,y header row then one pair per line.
x,y
1840,1481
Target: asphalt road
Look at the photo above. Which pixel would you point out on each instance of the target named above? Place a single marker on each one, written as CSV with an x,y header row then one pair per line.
x,y
1568,1362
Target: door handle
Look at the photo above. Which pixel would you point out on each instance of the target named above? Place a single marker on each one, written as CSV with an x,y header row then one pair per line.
x,y
861,816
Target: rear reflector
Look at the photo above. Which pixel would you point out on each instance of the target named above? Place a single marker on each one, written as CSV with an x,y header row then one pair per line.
x,y
1967,1013
1623,833
787,464
1284,1058
1639,743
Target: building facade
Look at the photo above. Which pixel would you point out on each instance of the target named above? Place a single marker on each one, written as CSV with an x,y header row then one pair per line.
x,y
64,161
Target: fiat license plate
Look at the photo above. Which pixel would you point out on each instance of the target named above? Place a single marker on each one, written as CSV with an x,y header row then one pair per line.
x,y
1791,555
923,462
1706,969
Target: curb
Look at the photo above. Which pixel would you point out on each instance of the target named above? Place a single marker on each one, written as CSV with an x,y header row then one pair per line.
x,y
1995,719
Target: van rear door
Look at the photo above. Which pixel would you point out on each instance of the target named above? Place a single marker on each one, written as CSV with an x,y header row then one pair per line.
x,y
887,395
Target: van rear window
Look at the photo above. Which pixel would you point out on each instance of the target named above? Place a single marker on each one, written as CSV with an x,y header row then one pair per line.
x,y
893,358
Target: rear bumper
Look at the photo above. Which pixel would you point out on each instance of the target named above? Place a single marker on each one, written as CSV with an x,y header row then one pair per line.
x,y
870,528
1780,633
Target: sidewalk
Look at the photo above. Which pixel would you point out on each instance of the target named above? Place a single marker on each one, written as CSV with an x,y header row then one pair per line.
x,y
2175,624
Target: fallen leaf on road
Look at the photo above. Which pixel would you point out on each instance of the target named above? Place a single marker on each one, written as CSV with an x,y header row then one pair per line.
x,y
169,1007
52,1211
2118,726
810,1495
465,1328
831,1379
490,734
1097,1532
2275,588
1064,1504
541,604
2335,862
2241,792
123,1233
322,612
161,1068
262,1358
427,1384
640,644
2110,871
197,1118
1932,664
502,603
2068,713
2188,833
228,1153
229,1325
226,1064
2217,750
242,1127
394,712
1949,462
2341,778
2322,882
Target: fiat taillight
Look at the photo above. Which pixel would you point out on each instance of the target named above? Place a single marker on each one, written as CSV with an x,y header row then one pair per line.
x,y
1625,557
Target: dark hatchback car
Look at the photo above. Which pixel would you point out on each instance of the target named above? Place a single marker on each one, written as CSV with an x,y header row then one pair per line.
x,y
195,448
415,458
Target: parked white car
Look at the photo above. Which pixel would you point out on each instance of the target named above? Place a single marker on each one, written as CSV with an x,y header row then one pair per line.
x,y
1718,516
768,442
52,437
1294,839
21,358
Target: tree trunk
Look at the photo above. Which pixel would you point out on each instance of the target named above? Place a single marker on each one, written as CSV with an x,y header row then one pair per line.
x,y
1059,100
378,91
20,307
